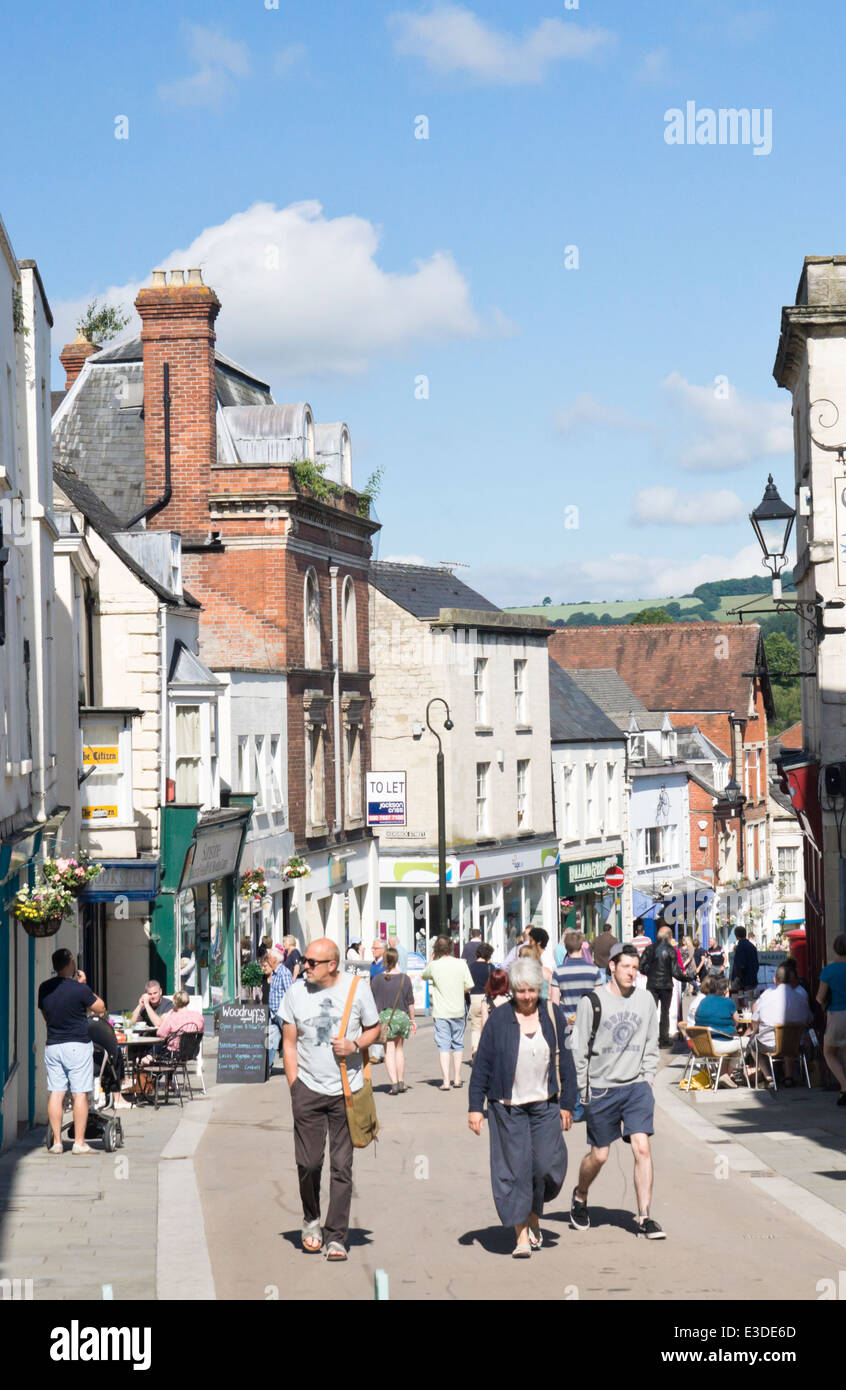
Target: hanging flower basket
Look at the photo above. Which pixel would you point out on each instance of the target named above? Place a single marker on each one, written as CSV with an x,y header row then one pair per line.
x,y
253,884
296,868
71,874
41,910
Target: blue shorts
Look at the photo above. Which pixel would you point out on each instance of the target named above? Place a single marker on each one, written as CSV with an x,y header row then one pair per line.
x,y
449,1034
70,1064
619,1109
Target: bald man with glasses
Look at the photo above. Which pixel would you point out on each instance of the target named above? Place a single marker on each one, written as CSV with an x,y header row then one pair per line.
x,y
311,1013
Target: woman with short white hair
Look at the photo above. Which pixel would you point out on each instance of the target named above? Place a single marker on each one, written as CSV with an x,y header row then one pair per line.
x,y
526,1074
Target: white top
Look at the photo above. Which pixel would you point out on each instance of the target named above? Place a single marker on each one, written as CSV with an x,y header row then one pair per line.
x,y
781,1004
531,1076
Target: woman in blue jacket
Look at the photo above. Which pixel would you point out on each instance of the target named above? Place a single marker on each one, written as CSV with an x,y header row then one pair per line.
x,y
529,1082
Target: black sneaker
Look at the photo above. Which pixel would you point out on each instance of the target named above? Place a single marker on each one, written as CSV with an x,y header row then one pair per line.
x,y
579,1219
650,1229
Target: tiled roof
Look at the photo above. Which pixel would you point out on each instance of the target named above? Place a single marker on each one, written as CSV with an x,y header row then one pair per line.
x,y
792,737
573,716
675,666
424,589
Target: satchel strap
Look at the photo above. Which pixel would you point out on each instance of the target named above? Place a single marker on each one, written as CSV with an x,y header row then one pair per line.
x,y
396,1002
345,1081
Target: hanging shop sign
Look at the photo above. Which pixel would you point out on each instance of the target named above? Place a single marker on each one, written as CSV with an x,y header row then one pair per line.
x,y
213,853
585,875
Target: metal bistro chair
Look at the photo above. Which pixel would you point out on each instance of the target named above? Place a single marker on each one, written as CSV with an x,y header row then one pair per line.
x,y
701,1047
788,1044
167,1067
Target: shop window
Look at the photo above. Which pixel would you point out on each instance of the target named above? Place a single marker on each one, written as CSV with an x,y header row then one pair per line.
x,y
106,792
350,630
312,622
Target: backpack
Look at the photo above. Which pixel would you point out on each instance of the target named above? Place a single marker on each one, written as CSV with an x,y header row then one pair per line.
x,y
597,1017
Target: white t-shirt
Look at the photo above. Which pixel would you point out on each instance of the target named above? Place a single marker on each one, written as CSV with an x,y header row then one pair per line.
x,y
317,1014
778,1005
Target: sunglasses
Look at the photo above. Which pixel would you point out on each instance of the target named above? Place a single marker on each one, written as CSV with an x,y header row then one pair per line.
x,y
308,960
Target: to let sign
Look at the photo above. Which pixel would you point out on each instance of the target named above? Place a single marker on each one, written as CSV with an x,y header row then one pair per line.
x,y
386,798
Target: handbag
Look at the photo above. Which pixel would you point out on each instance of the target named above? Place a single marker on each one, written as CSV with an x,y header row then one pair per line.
x,y
385,1028
362,1120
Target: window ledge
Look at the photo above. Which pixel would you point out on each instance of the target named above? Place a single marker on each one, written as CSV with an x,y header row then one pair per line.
x,y
525,834
485,729
523,729
355,822
316,832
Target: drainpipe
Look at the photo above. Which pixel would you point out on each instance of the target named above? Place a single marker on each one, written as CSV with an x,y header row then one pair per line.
x,y
163,731
336,697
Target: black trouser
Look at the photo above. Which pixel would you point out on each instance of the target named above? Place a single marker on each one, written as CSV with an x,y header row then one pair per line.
x,y
663,997
314,1115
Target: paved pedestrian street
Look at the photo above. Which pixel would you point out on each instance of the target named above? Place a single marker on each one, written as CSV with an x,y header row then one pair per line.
x,y
422,1208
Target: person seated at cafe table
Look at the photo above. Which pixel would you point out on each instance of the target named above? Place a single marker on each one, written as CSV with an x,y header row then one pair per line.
x,y
717,1013
180,1019
783,1003
152,1006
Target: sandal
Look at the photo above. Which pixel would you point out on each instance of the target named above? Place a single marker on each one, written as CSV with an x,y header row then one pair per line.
x,y
336,1252
521,1252
457,1085
535,1241
82,1149
56,1148
443,1088
311,1232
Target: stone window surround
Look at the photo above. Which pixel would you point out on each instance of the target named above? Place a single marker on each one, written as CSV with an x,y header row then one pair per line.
x,y
315,705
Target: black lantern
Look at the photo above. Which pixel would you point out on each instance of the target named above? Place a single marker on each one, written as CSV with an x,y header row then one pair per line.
x,y
773,521
732,790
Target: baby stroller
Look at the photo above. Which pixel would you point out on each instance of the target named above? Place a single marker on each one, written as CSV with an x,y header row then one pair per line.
x,y
104,1123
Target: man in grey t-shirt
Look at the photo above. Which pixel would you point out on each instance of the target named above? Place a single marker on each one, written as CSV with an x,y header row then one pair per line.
x,y
312,1011
615,1070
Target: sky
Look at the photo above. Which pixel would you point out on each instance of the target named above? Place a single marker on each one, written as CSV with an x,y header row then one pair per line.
x,y
470,231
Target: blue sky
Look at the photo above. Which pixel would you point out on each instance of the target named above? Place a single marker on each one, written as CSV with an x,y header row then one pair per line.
x,y
589,432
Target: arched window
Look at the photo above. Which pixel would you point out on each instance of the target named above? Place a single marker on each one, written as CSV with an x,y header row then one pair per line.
x,y
350,631
312,622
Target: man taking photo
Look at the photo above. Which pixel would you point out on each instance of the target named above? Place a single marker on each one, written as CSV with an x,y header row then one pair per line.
x,y
615,1051
64,1001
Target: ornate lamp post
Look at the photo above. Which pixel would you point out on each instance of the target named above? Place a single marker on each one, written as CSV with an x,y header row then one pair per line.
x,y
442,894
773,521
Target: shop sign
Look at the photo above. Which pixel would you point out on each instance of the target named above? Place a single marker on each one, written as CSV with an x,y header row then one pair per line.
x,y
99,812
212,854
386,798
92,755
123,879
585,875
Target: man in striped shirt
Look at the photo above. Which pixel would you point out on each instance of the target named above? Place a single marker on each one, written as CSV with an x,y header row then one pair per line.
x,y
574,977
641,940
281,980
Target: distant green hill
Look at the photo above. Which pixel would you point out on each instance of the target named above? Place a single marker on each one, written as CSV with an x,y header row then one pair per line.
x,y
709,602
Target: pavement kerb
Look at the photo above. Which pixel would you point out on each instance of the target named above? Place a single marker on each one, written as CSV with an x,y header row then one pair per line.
x,y
816,1212
183,1265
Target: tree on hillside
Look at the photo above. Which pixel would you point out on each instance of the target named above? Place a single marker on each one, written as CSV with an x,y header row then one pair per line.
x,y
650,617
783,663
546,601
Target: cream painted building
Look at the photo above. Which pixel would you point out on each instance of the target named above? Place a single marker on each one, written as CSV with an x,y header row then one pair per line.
x,y
435,639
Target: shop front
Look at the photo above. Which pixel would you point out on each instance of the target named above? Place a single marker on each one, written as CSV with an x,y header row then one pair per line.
x,y
500,892
337,897
114,912
195,921
581,882
270,914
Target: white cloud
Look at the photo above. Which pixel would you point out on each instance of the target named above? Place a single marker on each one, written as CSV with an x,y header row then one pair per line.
x,y
220,60
654,66
450,38
611,576
666,506
729,430
287,58
303,292
405,560
586,410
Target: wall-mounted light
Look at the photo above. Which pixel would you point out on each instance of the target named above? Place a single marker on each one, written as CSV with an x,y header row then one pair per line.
x,y
500,757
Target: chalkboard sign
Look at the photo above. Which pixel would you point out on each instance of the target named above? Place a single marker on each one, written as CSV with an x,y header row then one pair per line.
x,y
242,1043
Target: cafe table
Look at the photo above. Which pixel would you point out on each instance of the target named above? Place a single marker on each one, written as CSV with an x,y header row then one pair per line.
x,y
137,1043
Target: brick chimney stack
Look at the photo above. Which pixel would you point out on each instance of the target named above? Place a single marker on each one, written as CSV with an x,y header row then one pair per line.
x,y
72,357
178,328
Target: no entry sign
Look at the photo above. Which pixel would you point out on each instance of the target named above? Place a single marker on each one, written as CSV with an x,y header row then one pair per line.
x,y
615,878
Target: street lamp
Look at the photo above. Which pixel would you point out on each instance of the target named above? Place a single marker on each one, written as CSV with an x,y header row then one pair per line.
x,y
773,521
736,801
448,724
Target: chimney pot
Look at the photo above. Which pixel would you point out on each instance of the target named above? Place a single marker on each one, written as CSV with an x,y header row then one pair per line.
x,y
177,277
159,279
195,276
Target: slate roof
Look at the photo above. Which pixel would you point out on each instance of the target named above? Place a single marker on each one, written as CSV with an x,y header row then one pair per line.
x,y
573,716
105,523
103,441
673,666
424,590
609,691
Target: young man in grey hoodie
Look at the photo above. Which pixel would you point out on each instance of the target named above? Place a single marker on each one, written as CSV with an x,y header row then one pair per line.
x,y
615,1082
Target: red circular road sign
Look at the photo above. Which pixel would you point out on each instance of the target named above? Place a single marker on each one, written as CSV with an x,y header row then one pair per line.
x,y
615,878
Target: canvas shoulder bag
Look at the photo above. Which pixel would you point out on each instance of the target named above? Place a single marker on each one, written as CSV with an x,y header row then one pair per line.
x,y
360,1106
385,1028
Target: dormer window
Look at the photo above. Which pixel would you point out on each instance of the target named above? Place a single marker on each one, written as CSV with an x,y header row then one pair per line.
x,y
637,748
669,744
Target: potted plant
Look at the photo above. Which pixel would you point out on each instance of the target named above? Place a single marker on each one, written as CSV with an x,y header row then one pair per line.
x,y
251,975
253,884
296,868
41,909
71,874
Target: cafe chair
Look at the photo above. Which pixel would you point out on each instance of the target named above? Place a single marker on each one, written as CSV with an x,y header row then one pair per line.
x,y
170,1064
788,1045
702,1051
